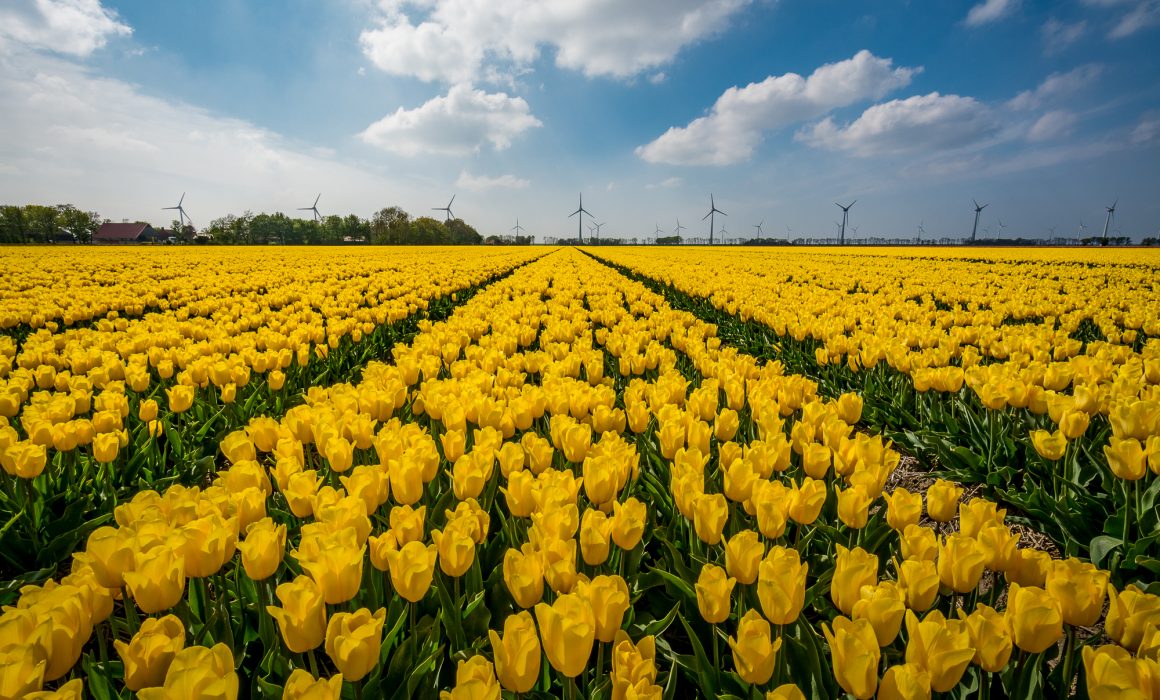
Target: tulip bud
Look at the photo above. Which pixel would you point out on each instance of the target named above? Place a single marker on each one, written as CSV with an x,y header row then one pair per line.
x,y
1034,617
990,636
353,641
198,672
412,569
149,653
1080,589
781,585
263,549
1130,613
854,568
941,646
942,500
303,686
905,682
854,654
960,563
567,629
754,650
883,605
517,653
713,593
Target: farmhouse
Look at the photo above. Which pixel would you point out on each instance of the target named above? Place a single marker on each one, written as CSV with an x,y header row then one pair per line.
x,y
127,233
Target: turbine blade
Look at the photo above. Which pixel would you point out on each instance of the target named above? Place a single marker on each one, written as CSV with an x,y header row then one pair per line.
x,y
317,198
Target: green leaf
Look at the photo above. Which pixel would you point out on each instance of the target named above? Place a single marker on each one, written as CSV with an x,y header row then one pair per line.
x,y
1101,545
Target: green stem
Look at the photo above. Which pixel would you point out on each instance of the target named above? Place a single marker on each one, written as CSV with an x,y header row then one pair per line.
x,y
310,657
1069,656
1127,515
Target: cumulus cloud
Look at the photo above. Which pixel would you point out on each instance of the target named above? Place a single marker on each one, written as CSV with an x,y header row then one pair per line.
x,y
1052,125
735,125
1058,35
921,123
471,40
1055,86
72,27
478,183
990,11
459,123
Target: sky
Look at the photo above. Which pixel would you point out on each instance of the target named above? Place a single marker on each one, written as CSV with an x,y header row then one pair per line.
x,y
1048,112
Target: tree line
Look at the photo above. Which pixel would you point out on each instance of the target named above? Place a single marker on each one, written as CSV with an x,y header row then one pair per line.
x,y
35,223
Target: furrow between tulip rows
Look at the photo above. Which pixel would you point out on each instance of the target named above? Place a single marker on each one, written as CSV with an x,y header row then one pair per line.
x,y
159,411
569,487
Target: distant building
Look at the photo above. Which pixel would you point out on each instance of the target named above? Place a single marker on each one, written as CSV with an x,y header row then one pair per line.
x,y
127,233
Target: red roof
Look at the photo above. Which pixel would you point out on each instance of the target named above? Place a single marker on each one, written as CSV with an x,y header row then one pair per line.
x,y
120,232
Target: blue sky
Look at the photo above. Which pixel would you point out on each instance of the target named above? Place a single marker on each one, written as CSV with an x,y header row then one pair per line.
x,y
1048,111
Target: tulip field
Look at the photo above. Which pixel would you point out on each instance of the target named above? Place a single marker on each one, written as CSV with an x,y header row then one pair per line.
x,y
557,472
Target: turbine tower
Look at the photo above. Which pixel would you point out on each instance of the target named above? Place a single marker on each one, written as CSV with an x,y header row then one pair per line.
x,y
1111,215
517,228
657,232
313,208
679,227
581,211
758,227
597,227
446,210
845,220
180,211
978,210
711,216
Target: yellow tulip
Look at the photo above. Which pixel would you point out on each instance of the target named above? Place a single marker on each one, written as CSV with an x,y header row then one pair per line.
x,y
806,500
73,690
725,425
337,569
608,596
303,686
1113,673
770,500
918,542
1130,613
149,653
990,636
474,680
1035,618
713,593
567,631
412,569
24,459
710,513
786,691
781,585
628,523
853,569
1126,458
198,672
523,574
408,523
903,508
406,481
180,398
854,655
1048,445
1029,567
884,606
517,653
754,650
919,580
941,646
960,563
1080,589
157,580
302,616
263,549
853,507
456,549
634,670
21,671
743,554
942,500
905,682
353,641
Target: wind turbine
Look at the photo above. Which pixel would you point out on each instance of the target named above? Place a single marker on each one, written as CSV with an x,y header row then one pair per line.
x,y
1082,228
845,219
446,209
680,228
180,211
657,232
978,210
597,227
580,222
313,208
517,228
713,210
1111,215
1001,227
921,230
758,227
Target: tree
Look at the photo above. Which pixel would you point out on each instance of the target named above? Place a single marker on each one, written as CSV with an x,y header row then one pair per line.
x,y
390,226
81,224
427,231
460,232
42,224
270,228
13,224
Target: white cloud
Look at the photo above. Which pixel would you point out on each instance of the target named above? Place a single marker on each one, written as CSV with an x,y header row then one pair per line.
x,y
1058,35
478,183
1052,125
1147,131
921,123
657,78
103,145
458,123
1144,15
73,27
666,184
469,40
990,11
1055,86
734,127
